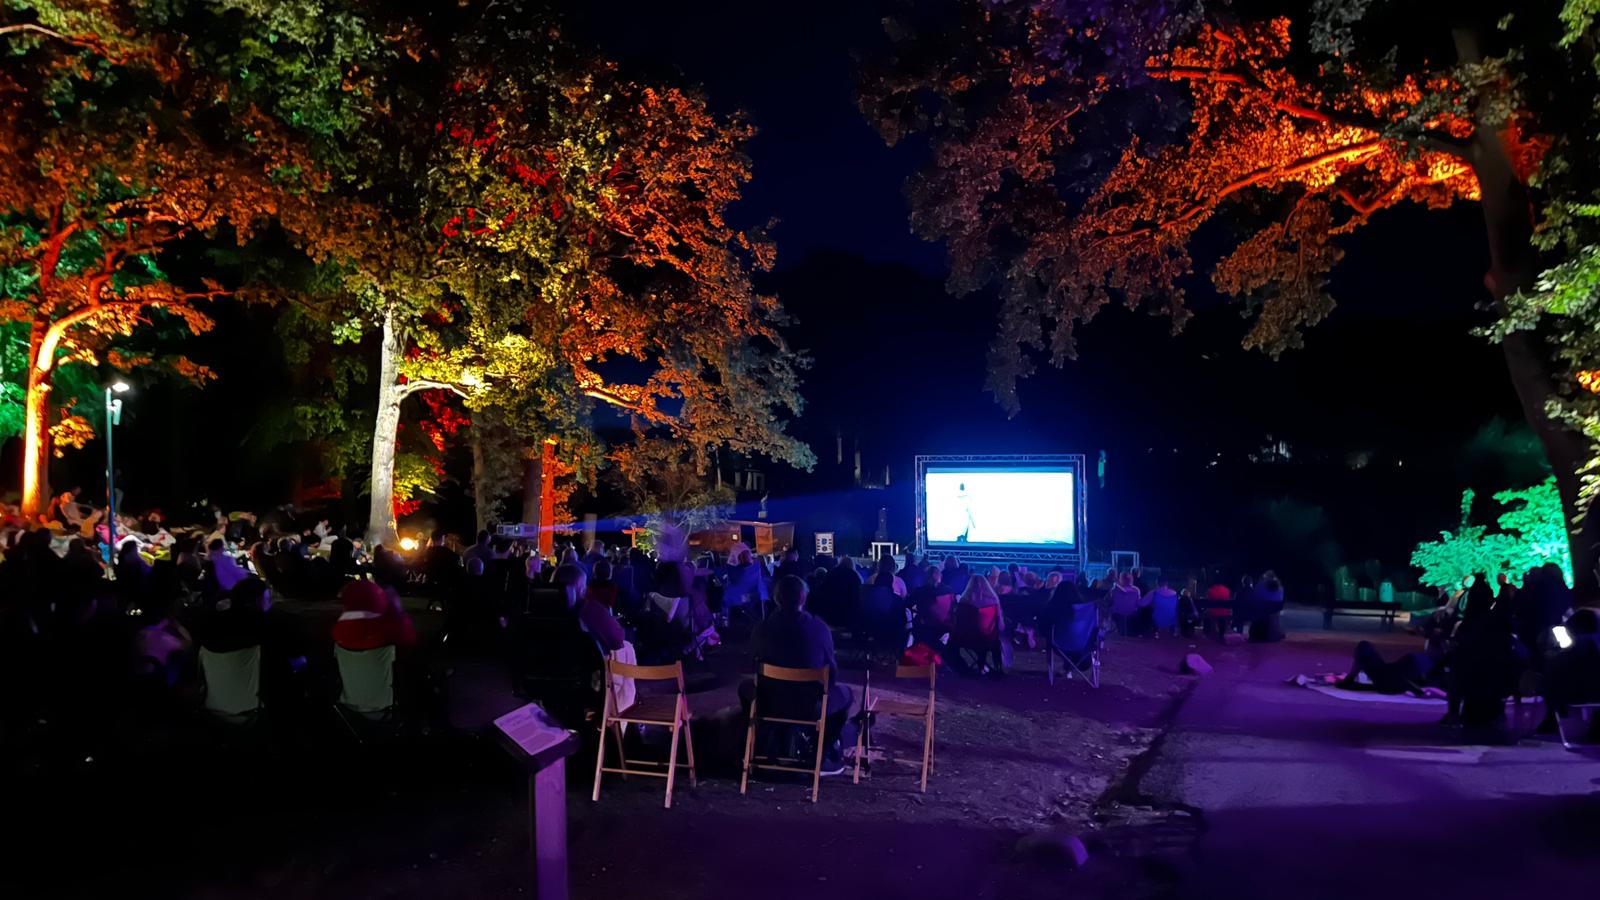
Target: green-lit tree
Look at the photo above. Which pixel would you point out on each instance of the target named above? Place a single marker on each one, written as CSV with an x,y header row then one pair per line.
x,y
1530,533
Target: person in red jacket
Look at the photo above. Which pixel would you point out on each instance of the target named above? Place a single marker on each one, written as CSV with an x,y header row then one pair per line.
x,y
372,618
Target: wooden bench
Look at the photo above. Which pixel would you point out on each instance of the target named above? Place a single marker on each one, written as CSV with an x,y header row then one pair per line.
x,y
1369,608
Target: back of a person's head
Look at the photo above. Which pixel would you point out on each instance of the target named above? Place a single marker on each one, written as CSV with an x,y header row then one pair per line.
x,y
602,570
669,580
1162,583
250,593
790,592
950,563
1066,593
978,590
502,546
1584,621
572,579
215,545
362,596
846,563
483,537
475,566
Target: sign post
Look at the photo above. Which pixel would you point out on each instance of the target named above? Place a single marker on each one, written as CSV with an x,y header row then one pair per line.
x,y
542,746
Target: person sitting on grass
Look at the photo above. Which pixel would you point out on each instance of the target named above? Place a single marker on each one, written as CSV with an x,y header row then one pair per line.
x,y
1412,673
796,639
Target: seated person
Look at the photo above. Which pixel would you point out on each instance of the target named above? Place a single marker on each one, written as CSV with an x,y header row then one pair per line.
x,y
225,571
595,620
931,602
744,585
602,587
1572,674
795,638
675,615
979,623
372,618
162,644
1266,605
244,617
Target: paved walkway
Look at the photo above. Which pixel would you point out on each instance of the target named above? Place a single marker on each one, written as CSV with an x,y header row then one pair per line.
x,y
1304,795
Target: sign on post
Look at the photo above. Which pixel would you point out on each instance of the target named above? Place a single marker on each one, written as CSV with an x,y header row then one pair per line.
x,y
542,745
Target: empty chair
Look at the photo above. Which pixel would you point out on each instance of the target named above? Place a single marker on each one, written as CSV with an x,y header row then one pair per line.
x,y
670,711
875,706
1077,642
769,676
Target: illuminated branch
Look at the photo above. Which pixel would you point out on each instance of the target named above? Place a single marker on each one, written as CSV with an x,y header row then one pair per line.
x,y
414,385
1351,153
1433,140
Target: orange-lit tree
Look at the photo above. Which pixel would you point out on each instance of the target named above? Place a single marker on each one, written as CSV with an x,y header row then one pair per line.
x,y
114,153
1077,150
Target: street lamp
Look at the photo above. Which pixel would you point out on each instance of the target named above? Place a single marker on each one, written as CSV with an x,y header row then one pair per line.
x,y
113,418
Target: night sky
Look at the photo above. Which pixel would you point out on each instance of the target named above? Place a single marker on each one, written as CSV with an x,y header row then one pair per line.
x,y
898,363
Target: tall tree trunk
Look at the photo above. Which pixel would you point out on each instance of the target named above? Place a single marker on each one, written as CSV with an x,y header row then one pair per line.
x,y
381,527
481,501
1514,266
36,431
532,476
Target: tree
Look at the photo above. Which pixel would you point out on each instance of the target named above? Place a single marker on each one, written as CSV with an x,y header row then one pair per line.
x,y
577,252
1082,152
115,154
661,482
1531,533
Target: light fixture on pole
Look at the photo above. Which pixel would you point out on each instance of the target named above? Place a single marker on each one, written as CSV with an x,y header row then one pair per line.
x,y
113,418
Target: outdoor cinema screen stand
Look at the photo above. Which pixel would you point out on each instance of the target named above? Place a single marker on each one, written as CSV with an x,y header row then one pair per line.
x,y
1029,508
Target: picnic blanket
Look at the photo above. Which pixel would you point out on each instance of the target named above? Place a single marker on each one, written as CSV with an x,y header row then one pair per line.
x,y
1323,684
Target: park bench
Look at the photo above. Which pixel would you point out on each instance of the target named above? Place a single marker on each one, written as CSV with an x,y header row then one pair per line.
x,y
1371,608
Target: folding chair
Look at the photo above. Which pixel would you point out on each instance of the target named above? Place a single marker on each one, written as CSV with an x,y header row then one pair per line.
x,y
667,710
233,682
1078,645
975,629
366,685
875,706
764,673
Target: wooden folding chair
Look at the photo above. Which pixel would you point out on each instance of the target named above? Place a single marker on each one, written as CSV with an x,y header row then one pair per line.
x,y
875,706
802,676
667,710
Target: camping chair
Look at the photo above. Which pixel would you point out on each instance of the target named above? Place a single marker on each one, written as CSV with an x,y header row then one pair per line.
x,y
1585,712
667,710
366,685
765,673
873,706
233,683
1078,644
976,629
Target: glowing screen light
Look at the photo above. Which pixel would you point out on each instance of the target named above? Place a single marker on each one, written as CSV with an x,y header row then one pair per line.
x,y
408,544
1010,507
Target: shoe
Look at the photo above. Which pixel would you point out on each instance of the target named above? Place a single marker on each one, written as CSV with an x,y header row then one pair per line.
x,y
832,765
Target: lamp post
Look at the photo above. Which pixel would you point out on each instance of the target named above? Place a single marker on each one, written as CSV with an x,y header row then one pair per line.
x,y
113,418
